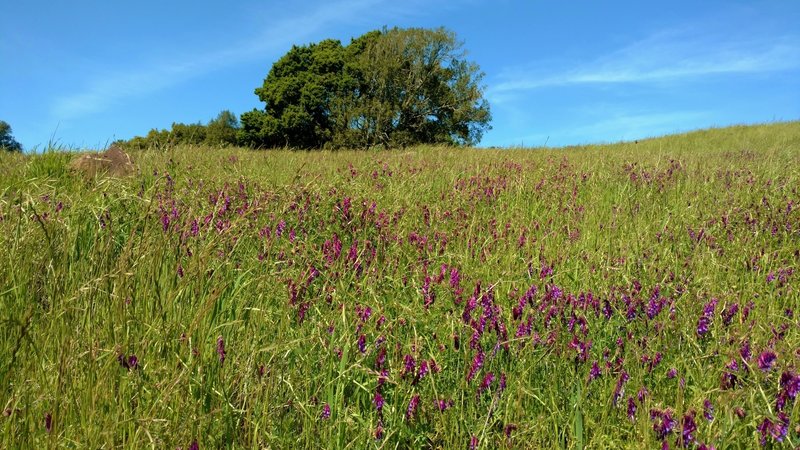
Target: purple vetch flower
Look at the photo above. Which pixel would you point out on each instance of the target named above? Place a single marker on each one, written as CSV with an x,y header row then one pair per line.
x,y
702,325
642,394
766,359
672,373
383,377
764,429
780,428
488,379
508,429
380,359
619,390
326,412
706,318
776,430
729,378
194,445
443,405
631,409
455,278
128,362
424,369
378,401
663,422
379,431
594,372
729,312
477,363
409,365
473,443
501,384
708,410
689,428
221,350
413,405
362,344
790,383
745,351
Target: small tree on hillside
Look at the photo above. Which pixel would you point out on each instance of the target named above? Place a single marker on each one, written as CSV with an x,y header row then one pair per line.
x,y
221,131
7,141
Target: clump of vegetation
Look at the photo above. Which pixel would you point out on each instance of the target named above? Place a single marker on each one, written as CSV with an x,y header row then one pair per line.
x,y
7,141
218,132
623,296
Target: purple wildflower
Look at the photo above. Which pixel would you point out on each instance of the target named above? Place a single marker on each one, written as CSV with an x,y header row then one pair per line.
x,y
362,344
689,428
619,389
790,383
729,378
326,412
488,379
708,410
455,278
672,373
766,359
194,445
745,351
378,401
413,405
642,394
663,422
443,405
424,369
473,442
631,409
594,372
508,429
728,313
702,326
48,422
477,363
409,365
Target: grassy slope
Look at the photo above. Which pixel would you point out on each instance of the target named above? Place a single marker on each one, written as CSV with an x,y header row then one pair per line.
x,y
98,277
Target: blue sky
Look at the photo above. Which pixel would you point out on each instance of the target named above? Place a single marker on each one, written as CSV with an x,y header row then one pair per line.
x,y
86,73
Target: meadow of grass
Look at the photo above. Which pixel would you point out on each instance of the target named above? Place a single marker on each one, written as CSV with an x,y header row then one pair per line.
x,y
635,295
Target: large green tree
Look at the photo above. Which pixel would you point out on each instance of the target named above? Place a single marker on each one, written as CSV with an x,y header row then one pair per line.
x,y
392,87
7,141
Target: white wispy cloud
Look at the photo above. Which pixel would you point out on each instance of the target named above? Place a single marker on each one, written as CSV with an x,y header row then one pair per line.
x,y
104,90
663,57
617,126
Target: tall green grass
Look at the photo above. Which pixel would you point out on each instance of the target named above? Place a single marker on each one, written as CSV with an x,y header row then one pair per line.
x,y
91,275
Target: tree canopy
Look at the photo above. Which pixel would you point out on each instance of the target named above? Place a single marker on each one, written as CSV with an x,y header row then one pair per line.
x,y
392,87
219,132
7,141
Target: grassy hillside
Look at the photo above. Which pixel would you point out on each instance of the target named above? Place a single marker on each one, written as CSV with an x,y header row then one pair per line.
x,y
615,296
